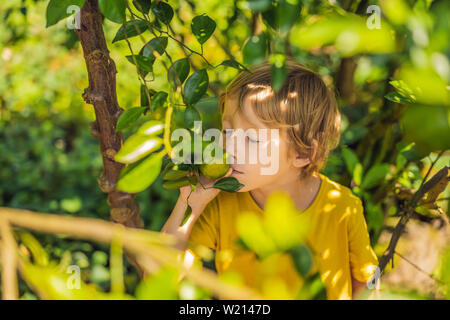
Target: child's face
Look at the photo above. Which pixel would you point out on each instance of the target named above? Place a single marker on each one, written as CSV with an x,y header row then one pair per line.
x,y
274,164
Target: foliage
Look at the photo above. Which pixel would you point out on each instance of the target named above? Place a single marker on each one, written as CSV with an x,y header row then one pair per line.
x,y
173,58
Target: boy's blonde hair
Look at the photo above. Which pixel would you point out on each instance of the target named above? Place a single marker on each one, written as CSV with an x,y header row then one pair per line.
x,y
303,106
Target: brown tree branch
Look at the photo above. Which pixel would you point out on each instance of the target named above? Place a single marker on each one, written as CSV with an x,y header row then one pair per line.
x,y
9,262
101,93
408,211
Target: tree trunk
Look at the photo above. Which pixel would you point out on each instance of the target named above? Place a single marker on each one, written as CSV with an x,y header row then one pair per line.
x,y
101,93
344,82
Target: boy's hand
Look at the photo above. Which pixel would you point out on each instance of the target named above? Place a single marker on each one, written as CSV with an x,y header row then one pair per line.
x,y
203,194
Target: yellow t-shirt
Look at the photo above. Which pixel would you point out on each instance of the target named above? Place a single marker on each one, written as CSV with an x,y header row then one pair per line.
x,y
338,239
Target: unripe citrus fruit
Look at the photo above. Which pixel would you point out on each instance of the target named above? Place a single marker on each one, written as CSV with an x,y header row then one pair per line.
x,y
216,169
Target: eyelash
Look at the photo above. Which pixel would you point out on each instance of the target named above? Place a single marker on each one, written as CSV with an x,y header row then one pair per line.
x,y
251,140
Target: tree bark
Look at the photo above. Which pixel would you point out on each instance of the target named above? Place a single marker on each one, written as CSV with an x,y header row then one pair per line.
x,y
344,83
101,93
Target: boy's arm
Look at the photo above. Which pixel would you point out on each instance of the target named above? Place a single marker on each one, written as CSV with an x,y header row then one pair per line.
x,y
363,260
172,225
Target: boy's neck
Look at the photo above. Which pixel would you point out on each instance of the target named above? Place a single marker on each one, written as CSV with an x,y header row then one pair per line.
x,y
302,191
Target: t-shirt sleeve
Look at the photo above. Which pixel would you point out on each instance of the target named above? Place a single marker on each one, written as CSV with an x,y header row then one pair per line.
x,y
205,230
363,261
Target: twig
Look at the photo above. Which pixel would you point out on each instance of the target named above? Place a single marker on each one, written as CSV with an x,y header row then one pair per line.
x,y
408,212
419,269
9,262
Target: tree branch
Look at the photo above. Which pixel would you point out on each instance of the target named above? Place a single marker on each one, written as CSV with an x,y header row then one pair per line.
x,y
101,93
408,213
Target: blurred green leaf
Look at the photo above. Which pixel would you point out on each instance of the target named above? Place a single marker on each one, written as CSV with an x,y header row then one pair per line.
x,y
426,126
141,175
163,285
302,259
348,33
255,50
163,11
136,147
279,72
375,175
113,10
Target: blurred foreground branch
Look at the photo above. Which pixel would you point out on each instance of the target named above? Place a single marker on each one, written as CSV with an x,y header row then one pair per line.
x,y
152,249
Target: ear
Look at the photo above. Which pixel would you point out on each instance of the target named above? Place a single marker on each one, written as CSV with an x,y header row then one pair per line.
x,y
300,161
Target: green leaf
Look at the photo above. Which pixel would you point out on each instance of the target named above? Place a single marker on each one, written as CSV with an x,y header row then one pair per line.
x,y
131,29
141,175
426,126
203,27
142,5
284,15
191,114
196,86
279,72
128,117
137,147
175,174
350,159
57,10
151,128
178,72
375,175
176,184
144,63
210,113
302,259
158,100
255,50
163,11
113,10
229,184
234,64
144,98
158,44
397,97
163,284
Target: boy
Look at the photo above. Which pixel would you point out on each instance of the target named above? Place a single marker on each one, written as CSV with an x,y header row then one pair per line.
x,y
308,121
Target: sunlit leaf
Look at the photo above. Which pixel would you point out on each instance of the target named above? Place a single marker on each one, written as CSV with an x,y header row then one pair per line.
x,y
136,147
140,175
